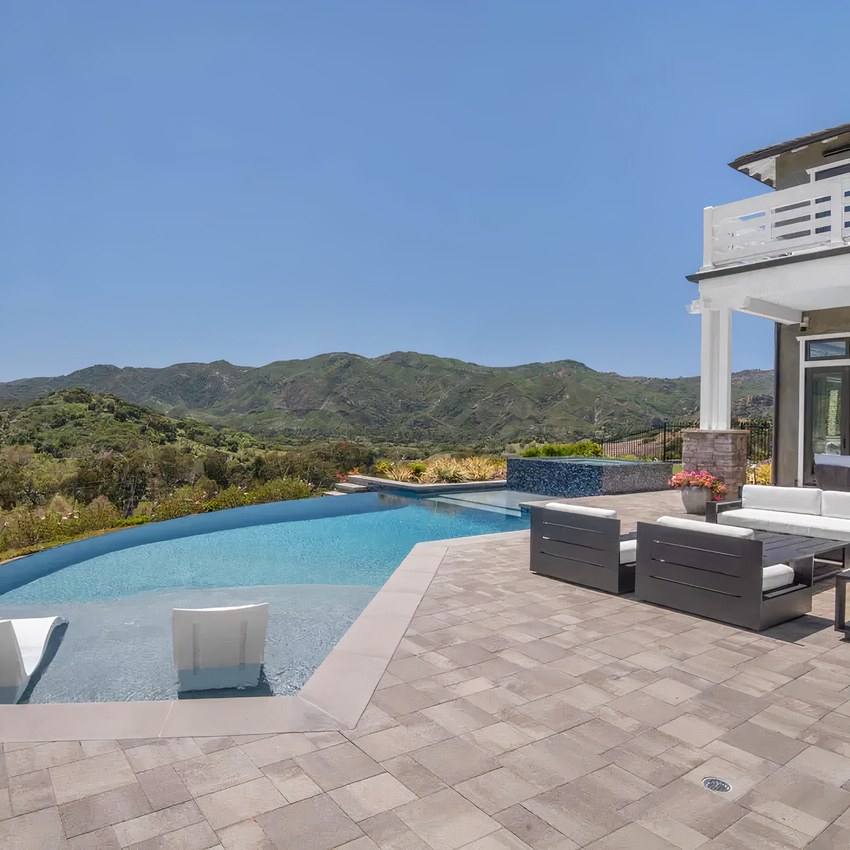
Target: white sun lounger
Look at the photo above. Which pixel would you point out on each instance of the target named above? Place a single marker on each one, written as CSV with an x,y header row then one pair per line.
x,y
219,647
22,645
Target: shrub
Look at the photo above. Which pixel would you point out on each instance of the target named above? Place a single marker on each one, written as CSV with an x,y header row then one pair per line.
x,y
232,497
182,502
585,448
478,468
280,490
759,473
447,469
399,472
418,468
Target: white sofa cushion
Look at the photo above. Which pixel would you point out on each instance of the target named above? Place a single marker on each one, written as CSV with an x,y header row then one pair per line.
x,y
832,528
835,503
779,575
628,551
795,500
708,528
580,509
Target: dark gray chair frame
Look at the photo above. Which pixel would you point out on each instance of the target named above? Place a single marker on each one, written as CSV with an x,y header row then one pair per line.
x,y
718,577
580,549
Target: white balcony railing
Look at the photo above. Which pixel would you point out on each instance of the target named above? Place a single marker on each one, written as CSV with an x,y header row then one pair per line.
x,y
814,216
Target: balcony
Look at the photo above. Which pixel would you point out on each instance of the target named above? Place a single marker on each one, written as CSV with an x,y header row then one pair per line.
x,y
808,218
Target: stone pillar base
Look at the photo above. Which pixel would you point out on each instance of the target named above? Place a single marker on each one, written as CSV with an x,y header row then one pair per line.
x,y
722,453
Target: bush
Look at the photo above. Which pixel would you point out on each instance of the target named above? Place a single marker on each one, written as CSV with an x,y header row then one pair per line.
x,y
585,448
232,497
447,469
280,490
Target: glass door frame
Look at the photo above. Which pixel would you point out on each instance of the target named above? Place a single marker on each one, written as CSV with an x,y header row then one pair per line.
x,y
843,372
805,456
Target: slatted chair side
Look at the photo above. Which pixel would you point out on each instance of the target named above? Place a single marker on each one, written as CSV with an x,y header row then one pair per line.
x,y
579,537
578,548
700,573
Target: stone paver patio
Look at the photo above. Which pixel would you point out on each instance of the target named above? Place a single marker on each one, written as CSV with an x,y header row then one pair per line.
x,y
517,712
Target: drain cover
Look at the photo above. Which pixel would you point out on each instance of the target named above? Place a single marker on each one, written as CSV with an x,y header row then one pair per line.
x,y
715,784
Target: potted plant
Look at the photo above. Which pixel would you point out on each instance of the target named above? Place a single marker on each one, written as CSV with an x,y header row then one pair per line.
x,y
697,489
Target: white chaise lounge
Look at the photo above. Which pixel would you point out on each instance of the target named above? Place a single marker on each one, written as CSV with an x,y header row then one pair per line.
x,y
219,647
22,646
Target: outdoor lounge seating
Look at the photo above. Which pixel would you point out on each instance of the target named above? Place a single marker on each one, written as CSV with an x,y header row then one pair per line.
x,y
718,572
22,647
219,647
787,510
583,546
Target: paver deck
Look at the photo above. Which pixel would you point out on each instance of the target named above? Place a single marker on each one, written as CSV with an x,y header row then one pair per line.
x,y
517,712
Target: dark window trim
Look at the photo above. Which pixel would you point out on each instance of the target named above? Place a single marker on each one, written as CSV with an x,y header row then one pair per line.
x,y
826,358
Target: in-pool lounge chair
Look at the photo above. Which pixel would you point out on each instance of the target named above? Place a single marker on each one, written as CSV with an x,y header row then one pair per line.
x,y
219,647
583,546
22,647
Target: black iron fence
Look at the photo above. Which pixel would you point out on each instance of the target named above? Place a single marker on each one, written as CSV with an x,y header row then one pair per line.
x,y
760,439
664,442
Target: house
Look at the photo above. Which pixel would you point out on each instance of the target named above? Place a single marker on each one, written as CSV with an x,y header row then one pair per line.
x,y
785,256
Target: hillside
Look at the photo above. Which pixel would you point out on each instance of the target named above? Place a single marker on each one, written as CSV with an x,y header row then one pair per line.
x,y
403,397
76,422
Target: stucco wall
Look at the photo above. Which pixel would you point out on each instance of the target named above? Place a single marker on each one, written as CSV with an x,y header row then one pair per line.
x,y
791,166
787,413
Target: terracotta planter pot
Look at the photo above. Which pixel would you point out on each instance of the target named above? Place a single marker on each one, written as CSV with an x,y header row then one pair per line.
x,y
694,499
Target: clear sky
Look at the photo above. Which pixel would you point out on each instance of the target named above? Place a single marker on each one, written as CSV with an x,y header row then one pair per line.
x,y
502,182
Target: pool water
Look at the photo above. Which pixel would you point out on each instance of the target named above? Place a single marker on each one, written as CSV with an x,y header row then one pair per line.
x,y
316,571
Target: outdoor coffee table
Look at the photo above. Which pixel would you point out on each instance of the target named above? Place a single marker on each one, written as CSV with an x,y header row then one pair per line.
x,y
780,548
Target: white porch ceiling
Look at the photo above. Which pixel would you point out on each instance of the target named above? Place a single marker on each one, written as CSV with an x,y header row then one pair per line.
x,y
780,292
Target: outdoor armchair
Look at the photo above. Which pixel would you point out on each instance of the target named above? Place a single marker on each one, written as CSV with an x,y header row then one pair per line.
x,y
583,546
718,572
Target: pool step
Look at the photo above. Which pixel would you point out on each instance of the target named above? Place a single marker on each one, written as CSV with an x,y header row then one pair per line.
x,y
332,493
346,487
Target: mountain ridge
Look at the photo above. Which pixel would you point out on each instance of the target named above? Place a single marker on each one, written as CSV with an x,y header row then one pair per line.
x,y
403,396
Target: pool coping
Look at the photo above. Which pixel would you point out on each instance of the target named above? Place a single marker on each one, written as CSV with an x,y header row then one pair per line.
x,y
333,698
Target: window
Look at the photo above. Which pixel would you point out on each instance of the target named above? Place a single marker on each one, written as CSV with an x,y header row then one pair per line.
x,y
827,349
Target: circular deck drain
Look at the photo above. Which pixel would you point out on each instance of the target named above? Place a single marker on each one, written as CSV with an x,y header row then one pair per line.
x,y
715,784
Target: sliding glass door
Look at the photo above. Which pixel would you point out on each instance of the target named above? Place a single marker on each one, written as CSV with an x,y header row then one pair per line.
x,y
827,415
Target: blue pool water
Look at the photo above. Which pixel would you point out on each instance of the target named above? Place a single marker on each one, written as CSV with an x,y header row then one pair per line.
x,y
315,564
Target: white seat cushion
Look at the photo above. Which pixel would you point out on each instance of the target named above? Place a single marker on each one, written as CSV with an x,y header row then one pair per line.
x,y
580,509
628,551
787,523
779,575
707,527
796,500
835,503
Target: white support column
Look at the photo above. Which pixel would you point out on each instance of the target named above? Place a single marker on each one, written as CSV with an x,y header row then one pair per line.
x,y
715,395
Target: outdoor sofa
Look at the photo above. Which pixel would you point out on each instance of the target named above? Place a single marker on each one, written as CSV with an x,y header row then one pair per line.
x,y
583,546
717,571
788,510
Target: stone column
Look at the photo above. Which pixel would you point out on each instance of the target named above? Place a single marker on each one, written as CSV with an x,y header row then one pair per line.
x,y
722,453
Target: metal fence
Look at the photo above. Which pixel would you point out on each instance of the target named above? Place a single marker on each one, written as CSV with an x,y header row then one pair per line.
x,y
661,443
664,442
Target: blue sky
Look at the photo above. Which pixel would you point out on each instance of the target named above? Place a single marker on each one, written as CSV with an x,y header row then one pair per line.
x,y
502,182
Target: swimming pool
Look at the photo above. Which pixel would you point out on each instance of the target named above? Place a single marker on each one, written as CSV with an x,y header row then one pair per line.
x,y
317,562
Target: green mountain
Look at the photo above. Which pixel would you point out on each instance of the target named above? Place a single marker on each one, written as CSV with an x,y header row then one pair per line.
x,y
404,397
76,422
